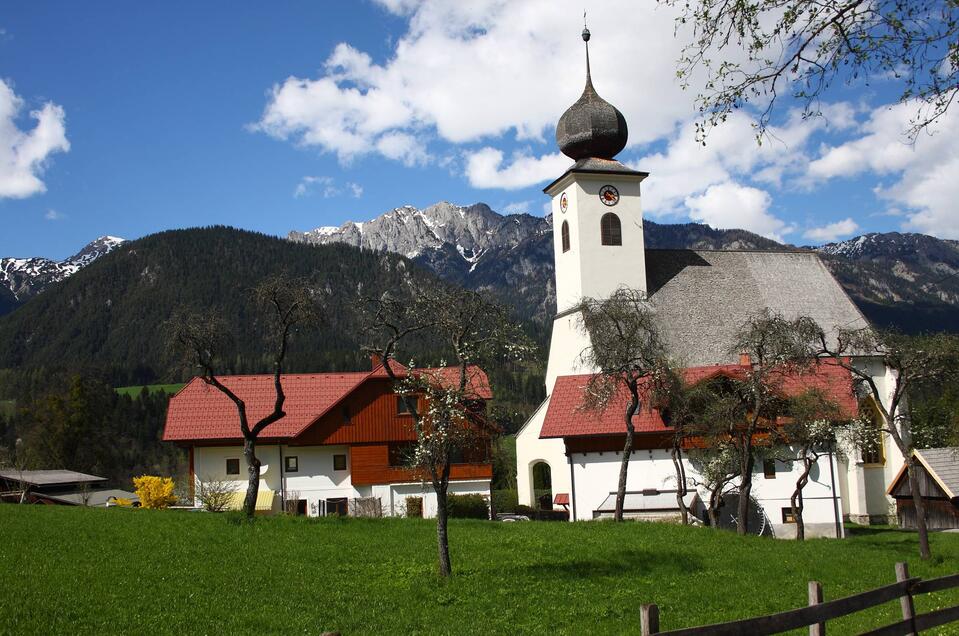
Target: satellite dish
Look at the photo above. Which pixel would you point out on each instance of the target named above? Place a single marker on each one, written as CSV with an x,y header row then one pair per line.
x,y
758,522
263,469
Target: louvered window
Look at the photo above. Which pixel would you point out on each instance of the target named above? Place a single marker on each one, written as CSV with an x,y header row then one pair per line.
x,y
565,232
611,230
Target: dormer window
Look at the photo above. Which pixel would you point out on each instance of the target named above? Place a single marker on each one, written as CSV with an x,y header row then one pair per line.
x,y
610,229
565,235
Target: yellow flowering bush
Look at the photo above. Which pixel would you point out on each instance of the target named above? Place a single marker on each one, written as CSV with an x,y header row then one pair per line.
x,y
153,491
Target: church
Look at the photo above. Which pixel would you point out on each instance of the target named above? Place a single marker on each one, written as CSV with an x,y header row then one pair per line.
x,y
570,457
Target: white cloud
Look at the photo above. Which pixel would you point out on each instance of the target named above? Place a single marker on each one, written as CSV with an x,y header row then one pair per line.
x,y
517,207
923,175
485,169
730,205
53,215
24,154
831,231
327,187
471,71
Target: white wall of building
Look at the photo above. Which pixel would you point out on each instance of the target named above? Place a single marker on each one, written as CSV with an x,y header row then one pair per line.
x,y
316,480
531,450
590,268
597,474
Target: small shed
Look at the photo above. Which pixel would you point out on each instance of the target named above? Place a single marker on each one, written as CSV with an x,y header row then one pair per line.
x,y
938,486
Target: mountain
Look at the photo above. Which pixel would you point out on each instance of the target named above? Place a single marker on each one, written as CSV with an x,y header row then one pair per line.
x,y
509,255
23,278
110,316
904,279
895,279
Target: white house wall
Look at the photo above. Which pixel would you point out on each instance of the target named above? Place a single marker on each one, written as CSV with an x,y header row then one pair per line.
x,y
315,479
596,475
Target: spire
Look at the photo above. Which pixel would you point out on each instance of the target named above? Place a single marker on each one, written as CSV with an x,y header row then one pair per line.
x,y
592,127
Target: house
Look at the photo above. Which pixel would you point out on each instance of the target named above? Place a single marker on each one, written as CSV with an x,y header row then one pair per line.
x,y
700,299
58,487
340,448
938,486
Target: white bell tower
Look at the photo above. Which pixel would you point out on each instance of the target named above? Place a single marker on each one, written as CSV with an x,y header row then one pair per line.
x,y
597,221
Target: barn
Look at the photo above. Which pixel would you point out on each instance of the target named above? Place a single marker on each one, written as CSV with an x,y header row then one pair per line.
x,y
938,485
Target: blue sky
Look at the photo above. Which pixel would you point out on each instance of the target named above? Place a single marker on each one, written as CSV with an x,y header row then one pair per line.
x,y
126,119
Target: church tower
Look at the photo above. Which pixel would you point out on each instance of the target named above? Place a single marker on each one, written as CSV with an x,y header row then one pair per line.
x,y
597,220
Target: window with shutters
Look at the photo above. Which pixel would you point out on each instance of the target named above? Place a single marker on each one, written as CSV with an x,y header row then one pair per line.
x,y
610,229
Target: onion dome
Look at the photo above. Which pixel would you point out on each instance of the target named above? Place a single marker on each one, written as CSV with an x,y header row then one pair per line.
x,y
592,127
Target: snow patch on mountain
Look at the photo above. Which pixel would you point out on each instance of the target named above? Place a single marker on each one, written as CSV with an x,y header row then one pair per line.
x,y
26,277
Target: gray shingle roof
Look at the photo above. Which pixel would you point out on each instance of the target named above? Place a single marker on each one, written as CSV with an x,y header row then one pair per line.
x,y
945,463
49,477
703,297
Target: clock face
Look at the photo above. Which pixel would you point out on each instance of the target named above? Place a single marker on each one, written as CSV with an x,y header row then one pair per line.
x,y
609,195
563,203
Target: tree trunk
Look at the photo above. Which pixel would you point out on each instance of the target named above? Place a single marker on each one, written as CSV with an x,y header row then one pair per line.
x,y
914,472
677,455
745,486
715,500
442,538
796,500
627,451
253,470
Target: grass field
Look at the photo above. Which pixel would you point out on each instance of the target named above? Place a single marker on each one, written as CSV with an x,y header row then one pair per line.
x,y
70,570
134,391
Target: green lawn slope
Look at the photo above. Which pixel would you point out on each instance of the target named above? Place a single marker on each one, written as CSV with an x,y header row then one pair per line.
x,y
85,571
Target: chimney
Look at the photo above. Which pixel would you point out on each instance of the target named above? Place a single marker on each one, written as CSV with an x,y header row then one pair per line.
x,y
375,360
744,359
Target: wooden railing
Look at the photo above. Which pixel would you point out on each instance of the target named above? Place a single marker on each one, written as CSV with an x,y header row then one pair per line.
x,y
815,615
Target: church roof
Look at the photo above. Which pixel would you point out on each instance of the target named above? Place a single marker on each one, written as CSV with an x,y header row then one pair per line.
x,y
702,297
566,416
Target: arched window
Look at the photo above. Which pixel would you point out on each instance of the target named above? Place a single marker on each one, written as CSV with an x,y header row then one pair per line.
x,y
610,229
565,232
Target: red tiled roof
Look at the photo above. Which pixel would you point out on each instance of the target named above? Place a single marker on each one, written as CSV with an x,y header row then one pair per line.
x,y
566,417
200,412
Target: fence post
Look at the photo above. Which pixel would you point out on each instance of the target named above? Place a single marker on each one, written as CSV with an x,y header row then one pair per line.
x,y
649,619
815,598
905,601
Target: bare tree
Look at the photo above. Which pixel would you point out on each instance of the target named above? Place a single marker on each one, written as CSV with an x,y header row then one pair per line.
x,y
626,349
802,47
477,331
910,360
718,464
809,432
201,339
777,348
214,495
16,460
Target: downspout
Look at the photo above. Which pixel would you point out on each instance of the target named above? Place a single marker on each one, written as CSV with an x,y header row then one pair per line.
x,y
282,481
572,484
835,497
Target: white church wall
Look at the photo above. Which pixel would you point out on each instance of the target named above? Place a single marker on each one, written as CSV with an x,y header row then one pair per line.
x,y
596,476
530,450
567,343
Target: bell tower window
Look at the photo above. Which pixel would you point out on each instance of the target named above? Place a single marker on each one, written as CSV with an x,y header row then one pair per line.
x,y
565,233
610,229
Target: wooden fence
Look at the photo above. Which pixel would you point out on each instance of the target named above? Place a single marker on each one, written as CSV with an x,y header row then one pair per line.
x,y
815,615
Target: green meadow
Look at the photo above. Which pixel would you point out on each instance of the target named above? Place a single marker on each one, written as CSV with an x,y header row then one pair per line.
x,y
93,571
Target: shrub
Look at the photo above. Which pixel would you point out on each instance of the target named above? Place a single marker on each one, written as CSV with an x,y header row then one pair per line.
x,y
414,507
154,492
472,506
